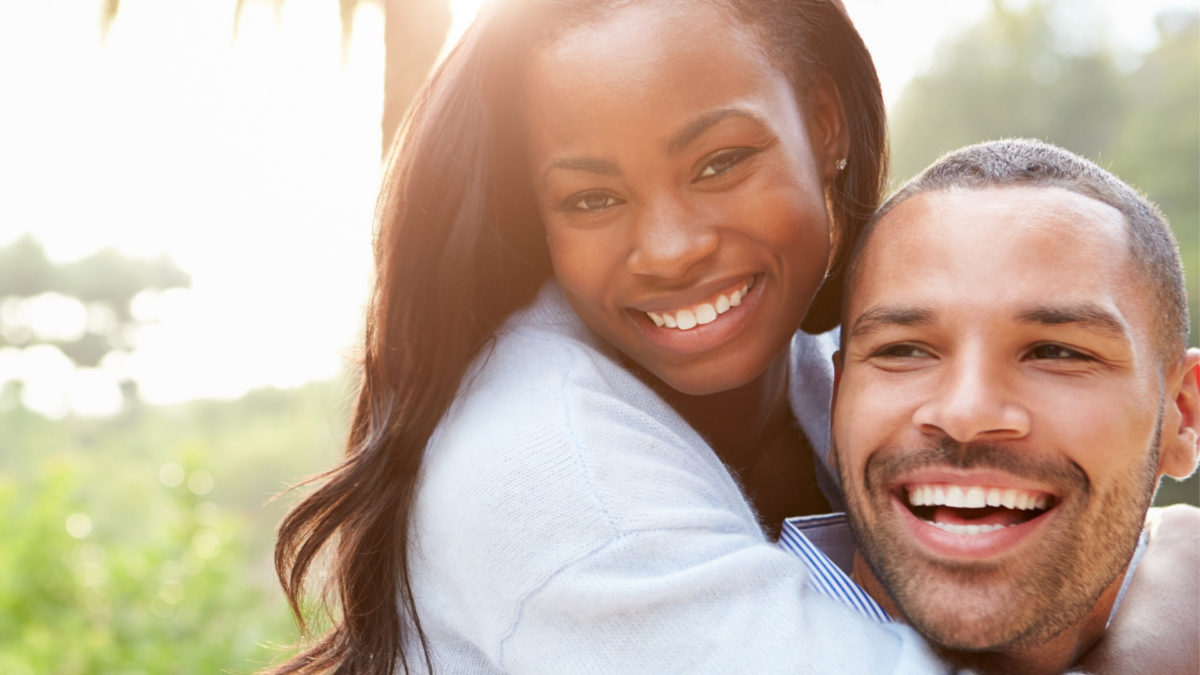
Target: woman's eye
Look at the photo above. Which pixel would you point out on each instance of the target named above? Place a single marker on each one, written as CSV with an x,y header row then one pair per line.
x,y
723,162
589,201
1057,352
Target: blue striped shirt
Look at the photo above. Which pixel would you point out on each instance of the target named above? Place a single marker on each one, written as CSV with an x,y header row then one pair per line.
x,y
826,546
801,537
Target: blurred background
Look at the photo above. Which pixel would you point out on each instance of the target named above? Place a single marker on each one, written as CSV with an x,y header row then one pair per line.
x,y
186,192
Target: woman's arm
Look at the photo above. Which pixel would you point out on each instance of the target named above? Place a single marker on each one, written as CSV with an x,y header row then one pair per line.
x,y
569,521
1156,625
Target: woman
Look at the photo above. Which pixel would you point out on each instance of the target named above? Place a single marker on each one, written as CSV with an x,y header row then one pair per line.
x,y
583,484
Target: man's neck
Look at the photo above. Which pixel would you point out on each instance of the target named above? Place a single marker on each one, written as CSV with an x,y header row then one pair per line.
x,y
1055,655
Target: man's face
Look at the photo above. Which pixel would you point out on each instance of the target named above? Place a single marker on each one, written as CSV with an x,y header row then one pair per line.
x,y
998,411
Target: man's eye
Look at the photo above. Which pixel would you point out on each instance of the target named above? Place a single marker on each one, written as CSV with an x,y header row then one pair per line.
x,y
1057,352
723,162
589,201
901,351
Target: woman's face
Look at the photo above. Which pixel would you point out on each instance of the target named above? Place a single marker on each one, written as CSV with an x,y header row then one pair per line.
x,y
682,190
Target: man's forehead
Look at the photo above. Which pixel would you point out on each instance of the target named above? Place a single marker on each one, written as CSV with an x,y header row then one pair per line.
x,y
1032,245
1001,212
961,229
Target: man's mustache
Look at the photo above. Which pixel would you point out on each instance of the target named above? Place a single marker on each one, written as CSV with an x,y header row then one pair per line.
x,y
1056,471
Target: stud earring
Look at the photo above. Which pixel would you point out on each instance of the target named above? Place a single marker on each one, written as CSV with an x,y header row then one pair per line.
x,y
840,165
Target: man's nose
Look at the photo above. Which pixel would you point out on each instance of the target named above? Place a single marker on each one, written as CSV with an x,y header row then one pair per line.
x,y
973,400
670,238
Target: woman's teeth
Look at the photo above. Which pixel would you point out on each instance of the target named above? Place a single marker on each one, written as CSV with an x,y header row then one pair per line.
x,y
704,313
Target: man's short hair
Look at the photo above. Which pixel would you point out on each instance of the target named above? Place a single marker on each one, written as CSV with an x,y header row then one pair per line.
x,y
1031,163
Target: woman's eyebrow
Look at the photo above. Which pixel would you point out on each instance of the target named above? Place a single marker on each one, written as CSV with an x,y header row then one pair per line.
x,y
678,142
589,164
703,123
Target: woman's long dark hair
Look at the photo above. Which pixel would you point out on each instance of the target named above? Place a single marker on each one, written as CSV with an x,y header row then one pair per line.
x,y
458,248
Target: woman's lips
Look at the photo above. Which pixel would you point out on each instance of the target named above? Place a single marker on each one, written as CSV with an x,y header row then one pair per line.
x,y
701,326
703,313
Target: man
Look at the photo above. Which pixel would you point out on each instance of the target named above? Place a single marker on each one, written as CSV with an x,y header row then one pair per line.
x,y
1013,382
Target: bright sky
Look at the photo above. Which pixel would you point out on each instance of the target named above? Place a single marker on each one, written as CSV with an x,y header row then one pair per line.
x,y
254,165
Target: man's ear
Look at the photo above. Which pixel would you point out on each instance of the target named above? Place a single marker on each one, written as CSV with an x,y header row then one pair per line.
x,y
837,372
837,381
1180,447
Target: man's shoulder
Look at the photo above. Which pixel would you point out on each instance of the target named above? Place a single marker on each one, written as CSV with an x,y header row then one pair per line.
x,y
825,544
829,533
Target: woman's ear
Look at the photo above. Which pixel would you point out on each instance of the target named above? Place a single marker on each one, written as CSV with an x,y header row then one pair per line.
x,y
827,129
1180,445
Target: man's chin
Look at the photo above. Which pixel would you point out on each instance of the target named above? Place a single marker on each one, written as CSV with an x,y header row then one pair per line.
x,y
978,619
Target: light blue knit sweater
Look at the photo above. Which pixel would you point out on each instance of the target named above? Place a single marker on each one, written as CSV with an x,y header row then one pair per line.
x,y
569,521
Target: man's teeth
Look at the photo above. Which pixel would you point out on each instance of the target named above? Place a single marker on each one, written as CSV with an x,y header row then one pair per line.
x,y
705,312
976,497
967,529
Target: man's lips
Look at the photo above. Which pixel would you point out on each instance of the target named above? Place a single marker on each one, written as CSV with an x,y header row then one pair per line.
x,y
977,517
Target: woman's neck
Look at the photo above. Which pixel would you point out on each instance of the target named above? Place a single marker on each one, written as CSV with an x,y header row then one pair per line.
x,y
738,423
752,430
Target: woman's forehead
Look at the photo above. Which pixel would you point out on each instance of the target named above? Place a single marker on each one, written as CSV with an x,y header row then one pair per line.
x,y
647,54
647,29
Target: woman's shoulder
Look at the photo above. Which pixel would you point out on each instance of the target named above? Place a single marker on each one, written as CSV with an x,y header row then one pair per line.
x,y
549,418
549,408
545,373
551,455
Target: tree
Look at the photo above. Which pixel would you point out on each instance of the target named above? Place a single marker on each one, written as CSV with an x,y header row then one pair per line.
x,y
1009,75
1014,74
414,31
102,285
1158,145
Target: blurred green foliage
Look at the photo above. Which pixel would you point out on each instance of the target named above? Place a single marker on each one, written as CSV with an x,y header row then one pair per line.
x,y
106,276
142,544
1029,73
105,284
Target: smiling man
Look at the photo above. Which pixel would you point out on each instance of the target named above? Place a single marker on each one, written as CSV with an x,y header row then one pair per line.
x,y
1013,383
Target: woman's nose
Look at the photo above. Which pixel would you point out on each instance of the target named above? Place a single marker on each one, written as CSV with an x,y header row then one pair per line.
x,y
669,239
973,402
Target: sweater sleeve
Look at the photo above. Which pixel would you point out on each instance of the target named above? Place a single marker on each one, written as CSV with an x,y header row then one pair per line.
x,y
568,521
689,601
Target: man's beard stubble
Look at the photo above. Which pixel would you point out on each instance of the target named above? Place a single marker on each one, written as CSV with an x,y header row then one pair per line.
x,y
1040,595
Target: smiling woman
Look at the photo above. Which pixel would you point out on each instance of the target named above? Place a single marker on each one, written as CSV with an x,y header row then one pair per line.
x,y
586,407
709,188
586,401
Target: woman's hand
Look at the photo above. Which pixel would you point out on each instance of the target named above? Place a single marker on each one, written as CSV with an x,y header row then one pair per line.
x,y
1155,628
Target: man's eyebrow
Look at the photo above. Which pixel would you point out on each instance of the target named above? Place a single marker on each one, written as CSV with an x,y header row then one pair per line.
x,y
589,164
877,318
1086,315
703,123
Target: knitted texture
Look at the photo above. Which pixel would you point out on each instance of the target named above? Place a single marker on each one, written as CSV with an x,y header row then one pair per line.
x,y
569,521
